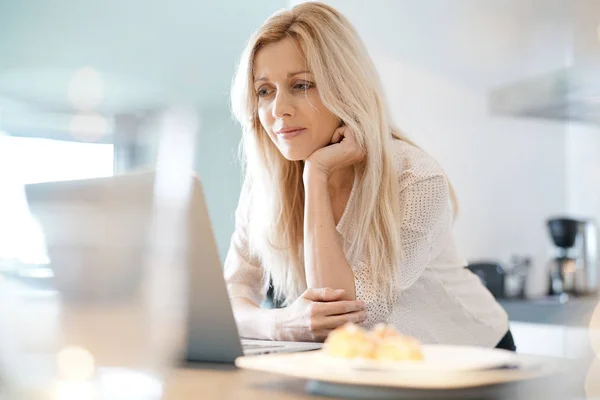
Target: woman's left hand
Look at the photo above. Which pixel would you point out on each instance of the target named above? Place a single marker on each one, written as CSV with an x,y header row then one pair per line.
x,y
343,151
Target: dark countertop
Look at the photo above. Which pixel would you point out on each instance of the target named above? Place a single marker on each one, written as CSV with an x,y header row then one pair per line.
x,y
575,312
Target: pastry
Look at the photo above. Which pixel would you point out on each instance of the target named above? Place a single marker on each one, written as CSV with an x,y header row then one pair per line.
x,y
398,348
349,341
383,343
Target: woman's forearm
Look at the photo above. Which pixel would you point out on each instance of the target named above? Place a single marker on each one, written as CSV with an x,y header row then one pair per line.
x,y
254,322
324,259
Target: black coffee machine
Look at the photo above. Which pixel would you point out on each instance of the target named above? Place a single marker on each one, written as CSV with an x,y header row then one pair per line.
x,y
562,268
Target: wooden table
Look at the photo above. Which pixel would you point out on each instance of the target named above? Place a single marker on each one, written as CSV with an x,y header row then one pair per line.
x,y
212,381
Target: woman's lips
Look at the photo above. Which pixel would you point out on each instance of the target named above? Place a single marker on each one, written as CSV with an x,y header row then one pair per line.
x,y
290,134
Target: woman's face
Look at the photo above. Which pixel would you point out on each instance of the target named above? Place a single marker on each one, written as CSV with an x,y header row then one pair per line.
x,y
289,106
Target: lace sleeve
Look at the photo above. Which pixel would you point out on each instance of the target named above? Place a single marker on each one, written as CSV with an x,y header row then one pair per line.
x,y
427,213
427,216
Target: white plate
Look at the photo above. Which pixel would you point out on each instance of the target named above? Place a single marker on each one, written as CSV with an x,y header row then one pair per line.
x,y
444,367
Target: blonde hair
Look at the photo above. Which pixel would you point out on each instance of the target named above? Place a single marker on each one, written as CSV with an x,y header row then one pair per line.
x,y
350,88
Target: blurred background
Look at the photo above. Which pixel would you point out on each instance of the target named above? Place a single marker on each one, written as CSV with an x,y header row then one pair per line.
x,y
505,94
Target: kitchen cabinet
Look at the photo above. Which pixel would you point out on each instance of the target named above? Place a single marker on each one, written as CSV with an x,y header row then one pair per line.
x,y
539,339
555,340
559,330
578,343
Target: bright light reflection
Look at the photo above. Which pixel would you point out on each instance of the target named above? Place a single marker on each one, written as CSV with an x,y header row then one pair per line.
x,y
86,89
75,363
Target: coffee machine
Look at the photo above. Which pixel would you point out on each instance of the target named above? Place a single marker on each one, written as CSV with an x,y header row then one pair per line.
x,y
574,267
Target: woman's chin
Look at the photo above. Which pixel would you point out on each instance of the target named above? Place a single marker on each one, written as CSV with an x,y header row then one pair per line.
x,y
294,154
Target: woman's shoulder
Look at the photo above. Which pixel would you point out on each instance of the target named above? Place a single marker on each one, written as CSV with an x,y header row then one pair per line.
x,y
412,163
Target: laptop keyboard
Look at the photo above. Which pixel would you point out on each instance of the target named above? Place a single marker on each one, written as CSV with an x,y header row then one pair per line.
x,y
261,346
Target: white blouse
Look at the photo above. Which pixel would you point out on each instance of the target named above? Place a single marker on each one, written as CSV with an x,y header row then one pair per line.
x,y
437,300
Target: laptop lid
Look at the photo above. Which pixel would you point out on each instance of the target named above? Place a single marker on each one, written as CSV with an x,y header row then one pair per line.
x,y
212,330
122,209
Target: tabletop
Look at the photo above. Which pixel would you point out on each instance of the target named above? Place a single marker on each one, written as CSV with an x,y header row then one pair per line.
x,y
216,381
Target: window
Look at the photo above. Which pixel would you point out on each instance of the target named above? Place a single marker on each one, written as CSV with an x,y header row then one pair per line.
x,y
35,160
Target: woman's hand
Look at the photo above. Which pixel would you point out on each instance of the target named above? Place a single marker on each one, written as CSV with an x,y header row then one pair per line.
x,y
316,313
343,151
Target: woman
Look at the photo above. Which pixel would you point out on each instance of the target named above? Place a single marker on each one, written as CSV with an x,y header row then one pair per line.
x,y
348,219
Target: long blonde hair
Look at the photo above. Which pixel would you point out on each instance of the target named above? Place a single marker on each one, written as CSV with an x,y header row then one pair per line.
x,y
350,88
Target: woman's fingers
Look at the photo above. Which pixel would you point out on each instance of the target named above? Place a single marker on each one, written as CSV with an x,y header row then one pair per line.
x,y
333,321
339,307
338,135
323,294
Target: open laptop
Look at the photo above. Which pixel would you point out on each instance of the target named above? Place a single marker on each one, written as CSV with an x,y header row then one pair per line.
x,y
126,206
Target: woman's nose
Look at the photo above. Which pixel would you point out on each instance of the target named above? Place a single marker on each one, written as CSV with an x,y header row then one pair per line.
x,y
283,105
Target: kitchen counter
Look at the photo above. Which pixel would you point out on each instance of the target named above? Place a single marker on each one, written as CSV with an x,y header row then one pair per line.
x,y
575,312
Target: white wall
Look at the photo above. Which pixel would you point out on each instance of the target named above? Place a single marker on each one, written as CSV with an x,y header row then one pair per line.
x,y
583,141
509,174
583,171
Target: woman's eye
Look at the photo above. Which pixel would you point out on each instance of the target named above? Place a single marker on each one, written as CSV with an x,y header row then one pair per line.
x,y
262,92
303,86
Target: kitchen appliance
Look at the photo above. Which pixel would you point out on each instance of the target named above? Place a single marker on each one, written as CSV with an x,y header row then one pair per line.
x,y
492,276
570,93
588,263
516,275
574,267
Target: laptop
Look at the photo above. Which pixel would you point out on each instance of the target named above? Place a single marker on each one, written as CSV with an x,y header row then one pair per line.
x,y
126,204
